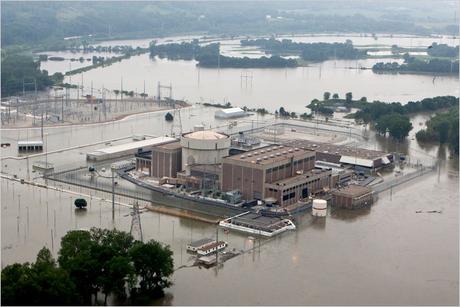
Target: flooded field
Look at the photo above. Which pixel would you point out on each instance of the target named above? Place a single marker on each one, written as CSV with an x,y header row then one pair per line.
x,y
292,88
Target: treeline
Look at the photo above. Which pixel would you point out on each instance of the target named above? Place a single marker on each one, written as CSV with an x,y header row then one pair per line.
x,y
389,118
443,50
442,128
107,262
411,64
308,51
20,72
102,61
370,111
392,117
209,56
49,22
176,51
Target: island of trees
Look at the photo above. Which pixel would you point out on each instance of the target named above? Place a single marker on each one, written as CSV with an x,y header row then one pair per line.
x,y
414,65
209,56
315,52
106,262
443,129
441,59
391,118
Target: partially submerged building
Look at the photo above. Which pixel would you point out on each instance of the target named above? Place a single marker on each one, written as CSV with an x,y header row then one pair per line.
x,y
284,173
230,113
360,159
352,197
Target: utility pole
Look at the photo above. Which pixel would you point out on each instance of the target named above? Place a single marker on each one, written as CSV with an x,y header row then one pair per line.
x,y
113,194
144,92
217,242
121,89
62,108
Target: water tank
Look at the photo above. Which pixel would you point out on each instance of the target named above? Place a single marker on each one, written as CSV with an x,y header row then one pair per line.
x,y
319,208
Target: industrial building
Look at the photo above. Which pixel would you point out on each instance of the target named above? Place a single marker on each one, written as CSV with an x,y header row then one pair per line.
x,y
230,113
30,146
352,197
203,147
164,160
280,172
361,159
127,149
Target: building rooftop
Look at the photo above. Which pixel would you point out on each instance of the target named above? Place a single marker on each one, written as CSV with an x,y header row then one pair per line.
x,y
296,178
199,243
30,143
134,145
353,190
205,135
170,146
341,150
268,154
211,245
258,222
232,110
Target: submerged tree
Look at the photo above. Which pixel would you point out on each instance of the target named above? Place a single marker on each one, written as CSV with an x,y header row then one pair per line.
x,y
41,283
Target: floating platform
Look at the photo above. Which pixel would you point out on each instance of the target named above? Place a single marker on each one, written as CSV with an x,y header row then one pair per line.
x,y
258,224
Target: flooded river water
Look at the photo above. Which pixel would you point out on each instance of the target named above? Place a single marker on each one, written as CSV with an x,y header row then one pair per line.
x,y
292,88
388,254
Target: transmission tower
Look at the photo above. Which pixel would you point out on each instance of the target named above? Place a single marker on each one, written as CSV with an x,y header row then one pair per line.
x,y
159,87
136,227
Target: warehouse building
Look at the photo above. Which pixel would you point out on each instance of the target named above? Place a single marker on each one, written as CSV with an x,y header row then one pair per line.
x,y
360,159
280,172
230,113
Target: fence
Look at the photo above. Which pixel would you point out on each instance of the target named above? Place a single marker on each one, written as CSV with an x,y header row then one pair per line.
x,y
386,185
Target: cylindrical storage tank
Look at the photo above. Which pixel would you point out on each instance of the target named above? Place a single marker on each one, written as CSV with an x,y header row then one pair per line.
x,y
319,207
203,147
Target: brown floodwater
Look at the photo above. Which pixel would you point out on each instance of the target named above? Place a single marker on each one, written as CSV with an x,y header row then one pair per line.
x,y
387,255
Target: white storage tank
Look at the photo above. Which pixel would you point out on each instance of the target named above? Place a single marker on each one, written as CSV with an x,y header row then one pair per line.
x,y
319,207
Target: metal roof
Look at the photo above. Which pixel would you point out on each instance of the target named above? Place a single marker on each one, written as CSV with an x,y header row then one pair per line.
x,y
201,242
135,145
357,161
231,110
30,143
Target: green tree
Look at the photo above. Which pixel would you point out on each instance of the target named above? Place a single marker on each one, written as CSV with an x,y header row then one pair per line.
x,y
153,263
363,99
326,96
397,125
348,97
76,256
335,96
42,283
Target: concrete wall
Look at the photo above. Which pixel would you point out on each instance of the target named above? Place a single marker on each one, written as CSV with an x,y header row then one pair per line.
x,y
248,180
166,163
